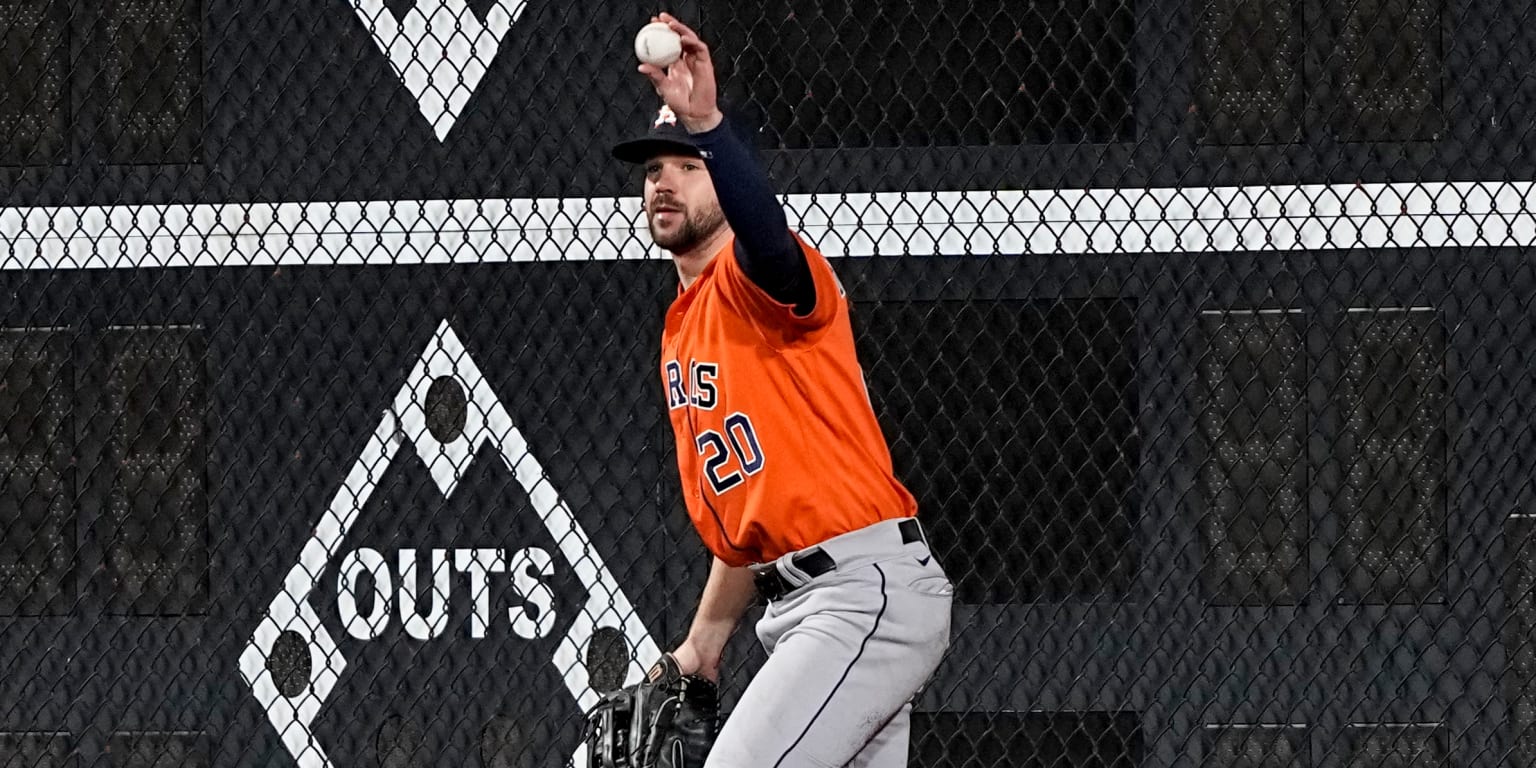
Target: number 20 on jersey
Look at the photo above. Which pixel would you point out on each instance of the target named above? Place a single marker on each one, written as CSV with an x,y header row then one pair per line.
x,y
731,453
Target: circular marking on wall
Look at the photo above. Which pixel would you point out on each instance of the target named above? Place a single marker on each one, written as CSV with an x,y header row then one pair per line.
x,y
447,409
289,663
607,659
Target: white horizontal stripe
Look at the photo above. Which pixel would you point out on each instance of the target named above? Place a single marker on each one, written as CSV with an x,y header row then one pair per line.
x,y
1240,311
1238,726
1394,725
1095,221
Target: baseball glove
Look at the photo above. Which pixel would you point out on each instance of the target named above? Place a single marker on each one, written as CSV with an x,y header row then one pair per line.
x,y
668,720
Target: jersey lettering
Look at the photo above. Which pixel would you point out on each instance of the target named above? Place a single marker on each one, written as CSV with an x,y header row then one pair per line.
x,y
716,455
704,375
744,442
676,398
738,449
700,390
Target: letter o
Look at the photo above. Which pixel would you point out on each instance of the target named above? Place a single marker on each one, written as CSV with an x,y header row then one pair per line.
x,y
352,566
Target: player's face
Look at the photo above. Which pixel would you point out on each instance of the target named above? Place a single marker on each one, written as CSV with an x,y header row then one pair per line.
x,y
680,202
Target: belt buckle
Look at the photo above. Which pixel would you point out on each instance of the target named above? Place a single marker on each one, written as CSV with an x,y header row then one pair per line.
x,y
771,585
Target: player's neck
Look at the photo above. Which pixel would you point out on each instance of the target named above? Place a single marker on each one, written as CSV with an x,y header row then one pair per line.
x,y
691,263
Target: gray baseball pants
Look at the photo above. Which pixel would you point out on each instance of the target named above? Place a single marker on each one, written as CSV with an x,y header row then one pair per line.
x,y
848,650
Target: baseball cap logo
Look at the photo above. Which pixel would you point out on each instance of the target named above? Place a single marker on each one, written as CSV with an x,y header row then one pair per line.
x,y
666,116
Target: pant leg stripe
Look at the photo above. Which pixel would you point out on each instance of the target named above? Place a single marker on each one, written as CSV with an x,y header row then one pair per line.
x,y
884,600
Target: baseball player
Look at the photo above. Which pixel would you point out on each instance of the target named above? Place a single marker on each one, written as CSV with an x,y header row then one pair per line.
x,y
784,469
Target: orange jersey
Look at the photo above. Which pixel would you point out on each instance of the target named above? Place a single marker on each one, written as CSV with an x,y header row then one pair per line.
x,y
777,444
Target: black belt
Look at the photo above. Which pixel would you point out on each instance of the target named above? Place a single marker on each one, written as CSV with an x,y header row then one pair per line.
x,y
815,562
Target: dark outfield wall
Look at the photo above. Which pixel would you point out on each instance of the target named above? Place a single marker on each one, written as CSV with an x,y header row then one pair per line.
x,y
200,423
218,101
1182,495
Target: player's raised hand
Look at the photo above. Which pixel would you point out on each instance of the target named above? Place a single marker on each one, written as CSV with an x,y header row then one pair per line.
x,y
688,86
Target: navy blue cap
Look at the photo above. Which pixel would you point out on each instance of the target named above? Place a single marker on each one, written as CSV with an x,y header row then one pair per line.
x,y
666,137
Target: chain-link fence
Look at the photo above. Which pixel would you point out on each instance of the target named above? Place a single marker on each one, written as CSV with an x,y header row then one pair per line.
x,y
331,429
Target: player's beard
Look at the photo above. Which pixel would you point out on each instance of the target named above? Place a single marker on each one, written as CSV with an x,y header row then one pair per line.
x,y
698,226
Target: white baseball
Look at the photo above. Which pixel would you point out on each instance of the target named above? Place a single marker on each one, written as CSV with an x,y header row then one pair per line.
x,y
657,44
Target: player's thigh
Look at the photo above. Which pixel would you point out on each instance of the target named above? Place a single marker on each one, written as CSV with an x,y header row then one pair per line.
x,y
836,677
889,746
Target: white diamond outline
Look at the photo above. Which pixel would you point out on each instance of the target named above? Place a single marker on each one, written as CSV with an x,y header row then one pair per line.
x,y
445,45
487,421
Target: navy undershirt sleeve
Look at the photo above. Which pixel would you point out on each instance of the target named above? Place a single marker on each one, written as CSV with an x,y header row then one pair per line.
x,y
767,252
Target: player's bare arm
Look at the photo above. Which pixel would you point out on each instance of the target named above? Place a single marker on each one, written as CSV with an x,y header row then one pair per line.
x,y
727,594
